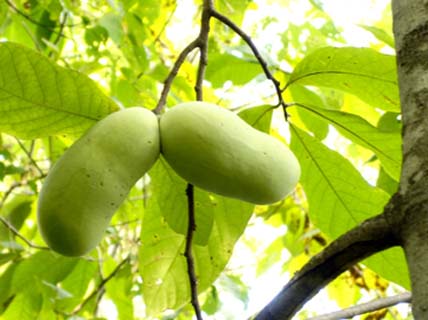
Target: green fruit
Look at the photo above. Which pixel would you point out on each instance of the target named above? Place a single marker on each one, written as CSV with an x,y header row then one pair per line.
x,y
216,150
93,177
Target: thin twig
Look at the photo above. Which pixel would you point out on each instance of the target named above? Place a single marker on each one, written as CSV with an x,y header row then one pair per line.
x,y
168,20
9,192
15,185
100,286
225,20
61,29
29,155
20,236
174,71
191,227
366,307
37,23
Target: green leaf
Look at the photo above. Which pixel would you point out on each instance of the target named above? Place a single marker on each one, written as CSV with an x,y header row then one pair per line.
x,y
234,9
25,306
302,95
389,122
317,4
236,286
225,67
149,10
162,263
15,211
6,284
363,72
76,283
386,145
259,117
6,257
43,265
212,303
169,190
56,292
380,34
339,198
119,290
96,35
45,28
390,264
39,98
112,23
385,182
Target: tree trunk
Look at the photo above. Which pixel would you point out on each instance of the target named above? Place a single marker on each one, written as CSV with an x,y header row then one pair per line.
x,y
411,35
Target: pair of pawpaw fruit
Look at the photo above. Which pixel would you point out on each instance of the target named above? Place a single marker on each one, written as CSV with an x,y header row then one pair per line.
x,y
206,145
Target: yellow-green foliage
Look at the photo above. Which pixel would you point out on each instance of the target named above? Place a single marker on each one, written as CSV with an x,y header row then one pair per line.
x,y
216,150
90,181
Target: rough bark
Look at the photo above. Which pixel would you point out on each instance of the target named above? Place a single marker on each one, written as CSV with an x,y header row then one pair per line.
x,y
410,19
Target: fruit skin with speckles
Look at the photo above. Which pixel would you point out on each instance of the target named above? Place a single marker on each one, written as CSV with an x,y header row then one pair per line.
x,y
215,150
89,182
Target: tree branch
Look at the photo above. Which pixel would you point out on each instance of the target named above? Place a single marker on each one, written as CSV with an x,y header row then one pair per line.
x,y
174,71
366,307
203,48
191,227
371,236
201,42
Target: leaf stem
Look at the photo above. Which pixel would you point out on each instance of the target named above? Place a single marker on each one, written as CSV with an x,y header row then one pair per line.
x,y
173,73
225,20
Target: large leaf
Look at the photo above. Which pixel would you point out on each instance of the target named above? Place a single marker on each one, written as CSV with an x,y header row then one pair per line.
x,y
338,196
39,98
162,263
386,145
364,72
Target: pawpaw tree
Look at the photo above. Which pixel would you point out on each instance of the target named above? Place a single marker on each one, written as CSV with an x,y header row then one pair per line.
x,y
300,167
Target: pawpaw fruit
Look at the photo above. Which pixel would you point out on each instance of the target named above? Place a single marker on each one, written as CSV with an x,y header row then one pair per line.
x,y
92,178
214,149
